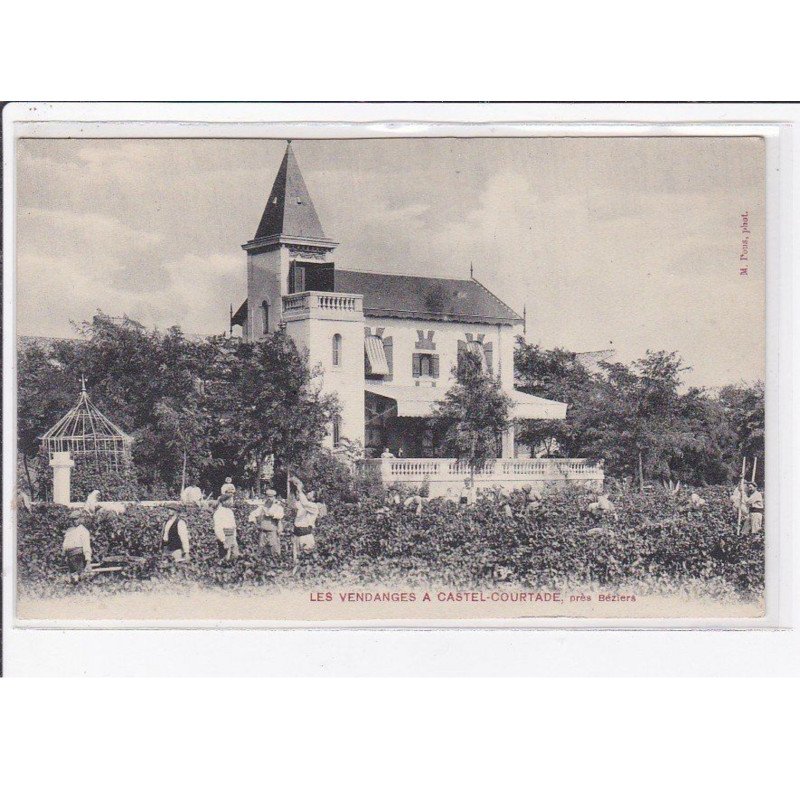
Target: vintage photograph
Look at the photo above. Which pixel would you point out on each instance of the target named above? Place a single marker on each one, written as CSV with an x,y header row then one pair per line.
x,y
391,379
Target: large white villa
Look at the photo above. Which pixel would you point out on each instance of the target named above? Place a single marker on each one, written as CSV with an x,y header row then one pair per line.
x,y
387,344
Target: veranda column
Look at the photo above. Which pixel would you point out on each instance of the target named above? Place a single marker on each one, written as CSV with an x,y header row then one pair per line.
x,y
62,466
507,443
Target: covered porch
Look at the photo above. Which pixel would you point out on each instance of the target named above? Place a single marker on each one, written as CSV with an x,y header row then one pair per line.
x,y
398,417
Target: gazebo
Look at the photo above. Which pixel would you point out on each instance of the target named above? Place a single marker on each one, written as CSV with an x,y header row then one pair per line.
x,y
88,434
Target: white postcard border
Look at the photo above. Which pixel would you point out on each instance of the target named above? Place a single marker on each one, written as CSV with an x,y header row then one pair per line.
x,y
90,643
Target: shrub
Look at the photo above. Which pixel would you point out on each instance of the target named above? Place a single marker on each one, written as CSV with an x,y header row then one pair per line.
x,y
656,544
335,481
88,475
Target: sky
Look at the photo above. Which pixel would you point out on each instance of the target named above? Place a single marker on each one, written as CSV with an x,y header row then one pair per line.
x,y
623,243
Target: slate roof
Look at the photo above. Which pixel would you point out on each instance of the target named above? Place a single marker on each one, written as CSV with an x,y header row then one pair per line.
x,y
290,213
289,210
416,297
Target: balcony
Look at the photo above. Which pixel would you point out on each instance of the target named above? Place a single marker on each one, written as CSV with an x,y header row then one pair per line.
x,y
510,473
323,305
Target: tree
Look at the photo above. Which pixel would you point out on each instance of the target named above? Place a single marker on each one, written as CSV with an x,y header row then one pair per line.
x,y
640,419
220,404
271,404
44,394
474,414
707,456
743,406
556,375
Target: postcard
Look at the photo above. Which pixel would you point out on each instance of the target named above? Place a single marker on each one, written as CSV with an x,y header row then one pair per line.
x,y
398,380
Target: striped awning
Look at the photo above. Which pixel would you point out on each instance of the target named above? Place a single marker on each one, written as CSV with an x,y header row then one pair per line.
x,y
376,355
477,349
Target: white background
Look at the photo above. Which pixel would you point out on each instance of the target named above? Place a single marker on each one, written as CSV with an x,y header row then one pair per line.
x,y
571,739
259,652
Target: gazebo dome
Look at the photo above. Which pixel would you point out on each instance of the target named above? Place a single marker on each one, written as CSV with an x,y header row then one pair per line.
x,y
84,431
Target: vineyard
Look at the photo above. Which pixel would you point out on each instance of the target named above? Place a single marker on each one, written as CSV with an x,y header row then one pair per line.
x,y
656,544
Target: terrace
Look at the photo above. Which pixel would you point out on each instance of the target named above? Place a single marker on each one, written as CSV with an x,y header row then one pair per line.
x,y
510,473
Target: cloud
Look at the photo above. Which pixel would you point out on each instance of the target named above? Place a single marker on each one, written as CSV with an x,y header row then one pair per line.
x,y
629,241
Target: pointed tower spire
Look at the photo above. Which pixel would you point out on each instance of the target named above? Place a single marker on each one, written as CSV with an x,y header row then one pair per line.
x,y
288,255
289,210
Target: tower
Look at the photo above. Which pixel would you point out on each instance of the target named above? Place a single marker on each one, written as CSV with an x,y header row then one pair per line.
x,y
289,253
291,281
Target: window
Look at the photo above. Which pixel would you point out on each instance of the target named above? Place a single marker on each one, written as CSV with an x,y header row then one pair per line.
x,y
425,365
311,276
265,316
337,430
337,350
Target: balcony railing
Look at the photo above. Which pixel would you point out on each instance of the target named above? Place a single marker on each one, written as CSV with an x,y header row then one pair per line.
x,y
444,473
322,305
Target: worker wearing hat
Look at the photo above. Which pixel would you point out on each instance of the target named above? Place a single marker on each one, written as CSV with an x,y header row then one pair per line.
x,y
269,518
755,508
175,535
77,546
225,528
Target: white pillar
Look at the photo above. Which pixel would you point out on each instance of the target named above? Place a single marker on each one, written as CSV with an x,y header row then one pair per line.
x,y
62,466
507,443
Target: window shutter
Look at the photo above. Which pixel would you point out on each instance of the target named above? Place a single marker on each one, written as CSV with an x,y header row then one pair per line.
x,y
488,352
462,347
297,278
435,369
387,349
415,366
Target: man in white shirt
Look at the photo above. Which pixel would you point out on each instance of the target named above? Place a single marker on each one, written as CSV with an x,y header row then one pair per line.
x,y
228,488
602,507
77,546
755,508
269,518
304,522
469,494
387,453
225,529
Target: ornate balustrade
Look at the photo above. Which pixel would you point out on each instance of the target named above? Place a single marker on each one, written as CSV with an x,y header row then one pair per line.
x,y
322,305
444,473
